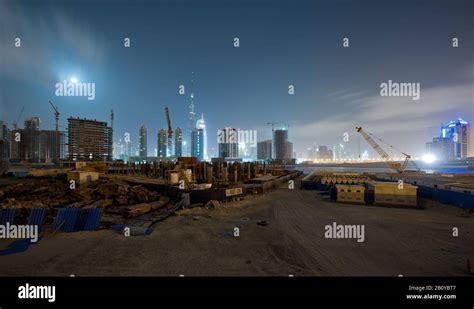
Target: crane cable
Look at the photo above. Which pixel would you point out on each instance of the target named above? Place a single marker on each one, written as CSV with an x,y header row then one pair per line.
x,y
386,143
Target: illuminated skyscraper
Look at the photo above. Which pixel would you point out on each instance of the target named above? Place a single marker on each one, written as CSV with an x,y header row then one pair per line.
x,y
199,140
192,116
162,143
127,149
459,132
143,151
178,142
201,126
118,150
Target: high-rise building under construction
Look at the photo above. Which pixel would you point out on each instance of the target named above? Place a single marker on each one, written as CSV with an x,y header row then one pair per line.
x,y
89,140
280,147
264,150
31,140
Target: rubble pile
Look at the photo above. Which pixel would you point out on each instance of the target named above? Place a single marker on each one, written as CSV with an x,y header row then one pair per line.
x,y
55,193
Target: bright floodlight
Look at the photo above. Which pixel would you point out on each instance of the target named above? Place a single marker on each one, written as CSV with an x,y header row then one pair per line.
x,y
73,80
429,158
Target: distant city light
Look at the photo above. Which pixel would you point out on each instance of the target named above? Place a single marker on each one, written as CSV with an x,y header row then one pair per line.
x,y
429,158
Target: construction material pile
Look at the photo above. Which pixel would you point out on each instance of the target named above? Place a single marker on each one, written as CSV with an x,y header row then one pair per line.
x,y
54,193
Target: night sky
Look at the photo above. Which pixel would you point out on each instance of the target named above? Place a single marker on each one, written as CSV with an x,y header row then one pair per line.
x,y
281,43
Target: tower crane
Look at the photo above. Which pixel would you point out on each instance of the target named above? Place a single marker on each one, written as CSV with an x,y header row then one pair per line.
x,y
394,165
170,130
273,125
285,124
56,115
15,123
56,118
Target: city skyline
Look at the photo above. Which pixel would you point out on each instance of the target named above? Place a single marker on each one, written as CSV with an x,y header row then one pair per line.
x,y
244,87
124,148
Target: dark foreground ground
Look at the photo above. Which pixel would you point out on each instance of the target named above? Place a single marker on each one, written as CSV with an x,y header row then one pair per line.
x,y
200,242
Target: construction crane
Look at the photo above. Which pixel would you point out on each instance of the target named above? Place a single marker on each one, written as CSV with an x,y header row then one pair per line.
x,y
56,115
56,118
273,125
15,123
285,124
394,165
170,130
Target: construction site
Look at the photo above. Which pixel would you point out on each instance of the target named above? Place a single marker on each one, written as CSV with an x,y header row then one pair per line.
x,y
187,217
252,219
280,231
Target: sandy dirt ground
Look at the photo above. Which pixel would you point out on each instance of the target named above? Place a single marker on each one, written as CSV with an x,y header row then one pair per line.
x,y
201,242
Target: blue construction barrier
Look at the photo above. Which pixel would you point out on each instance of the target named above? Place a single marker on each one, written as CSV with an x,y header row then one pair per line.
x,y
75,219
313,185
92,219
7,215
459,199
424,192
37,217
66,219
